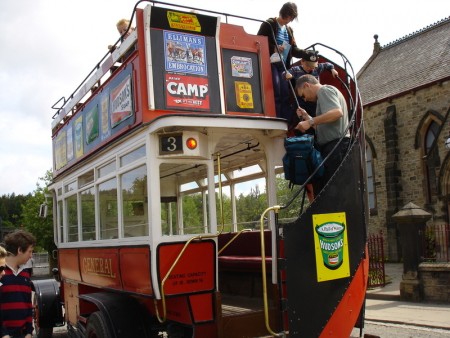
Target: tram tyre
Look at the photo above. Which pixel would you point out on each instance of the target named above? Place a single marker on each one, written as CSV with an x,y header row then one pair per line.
x,y
96,326
44,332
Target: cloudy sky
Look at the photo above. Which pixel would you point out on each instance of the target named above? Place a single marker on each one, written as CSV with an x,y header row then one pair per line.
x,y
47,47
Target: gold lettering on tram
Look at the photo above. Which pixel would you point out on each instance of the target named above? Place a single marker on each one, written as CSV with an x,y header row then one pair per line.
x,y
98,266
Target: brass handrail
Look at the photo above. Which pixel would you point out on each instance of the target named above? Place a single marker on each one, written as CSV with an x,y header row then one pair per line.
x,y
275,208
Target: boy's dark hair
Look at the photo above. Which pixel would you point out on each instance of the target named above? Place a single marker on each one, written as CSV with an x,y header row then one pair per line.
x,y
289,9
19,239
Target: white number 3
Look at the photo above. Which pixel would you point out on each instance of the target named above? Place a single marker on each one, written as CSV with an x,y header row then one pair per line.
x,y
172,144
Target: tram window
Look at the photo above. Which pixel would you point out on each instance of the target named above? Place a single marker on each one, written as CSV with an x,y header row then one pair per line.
x,y
194,206
107,193
134,194
72,218
168,215
107,169
61,220
227,209
187,214
70,187
222,177
254,169
189,186
251,203
132,156
86,178
88,214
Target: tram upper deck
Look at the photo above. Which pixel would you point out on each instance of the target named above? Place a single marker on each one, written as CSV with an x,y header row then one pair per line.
x,y
188,64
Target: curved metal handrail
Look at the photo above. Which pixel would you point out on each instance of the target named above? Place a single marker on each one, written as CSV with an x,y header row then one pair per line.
x,y
354,105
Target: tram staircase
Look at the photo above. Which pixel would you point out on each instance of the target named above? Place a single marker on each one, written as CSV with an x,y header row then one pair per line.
x,y
300,296
303,294
344,192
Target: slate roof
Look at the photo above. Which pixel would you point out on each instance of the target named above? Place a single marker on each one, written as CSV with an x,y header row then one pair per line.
x,y
414,61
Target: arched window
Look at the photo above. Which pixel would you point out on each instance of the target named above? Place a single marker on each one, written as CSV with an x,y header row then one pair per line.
x,y
431,157
370,179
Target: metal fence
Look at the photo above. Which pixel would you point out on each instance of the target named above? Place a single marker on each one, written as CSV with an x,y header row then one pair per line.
x,y
41,264
434,243
377,275
40,259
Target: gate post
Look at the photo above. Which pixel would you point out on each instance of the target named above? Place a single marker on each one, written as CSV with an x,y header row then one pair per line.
x,y
410,219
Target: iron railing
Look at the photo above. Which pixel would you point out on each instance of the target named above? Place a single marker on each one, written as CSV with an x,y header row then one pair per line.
x,y
377,275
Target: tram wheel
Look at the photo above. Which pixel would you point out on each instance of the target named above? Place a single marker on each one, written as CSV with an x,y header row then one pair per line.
x,y
96,326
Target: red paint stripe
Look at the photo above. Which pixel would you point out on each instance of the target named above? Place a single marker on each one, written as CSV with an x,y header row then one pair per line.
x,y
346,314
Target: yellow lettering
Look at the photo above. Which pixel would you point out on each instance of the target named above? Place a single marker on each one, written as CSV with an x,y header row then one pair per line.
x,y
98,266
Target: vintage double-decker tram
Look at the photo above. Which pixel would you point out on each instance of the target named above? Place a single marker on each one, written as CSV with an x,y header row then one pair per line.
x,y
179,115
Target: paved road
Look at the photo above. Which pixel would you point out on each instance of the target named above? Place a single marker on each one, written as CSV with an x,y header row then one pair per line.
x,y
382,330
387,330
60,332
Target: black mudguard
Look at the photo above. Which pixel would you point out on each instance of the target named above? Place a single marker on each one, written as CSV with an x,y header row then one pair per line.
x,y
50,309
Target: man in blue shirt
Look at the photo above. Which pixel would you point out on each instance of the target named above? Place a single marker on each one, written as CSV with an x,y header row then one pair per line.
x,y
281,39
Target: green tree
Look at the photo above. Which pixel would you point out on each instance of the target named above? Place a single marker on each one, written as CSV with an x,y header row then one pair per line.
x,y
285,195
227,212
250,207
41,228
11,210
193,213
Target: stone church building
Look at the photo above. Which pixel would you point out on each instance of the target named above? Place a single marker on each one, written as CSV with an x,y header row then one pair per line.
x,y
405,91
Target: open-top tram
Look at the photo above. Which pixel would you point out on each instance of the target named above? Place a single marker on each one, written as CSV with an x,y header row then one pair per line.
x,y
151,153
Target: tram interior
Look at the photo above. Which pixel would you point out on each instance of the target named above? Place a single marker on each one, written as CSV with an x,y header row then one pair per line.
x,y
184,210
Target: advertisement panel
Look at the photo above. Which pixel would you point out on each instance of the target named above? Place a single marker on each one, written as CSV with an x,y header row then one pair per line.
x,y
101,119
187,92
186,78
331,246
185,53
121,102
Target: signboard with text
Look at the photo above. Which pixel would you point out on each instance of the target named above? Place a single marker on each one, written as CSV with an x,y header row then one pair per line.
x,y
186,77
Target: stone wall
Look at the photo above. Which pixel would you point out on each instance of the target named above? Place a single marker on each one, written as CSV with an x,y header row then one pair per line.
x,y
394,129
435,282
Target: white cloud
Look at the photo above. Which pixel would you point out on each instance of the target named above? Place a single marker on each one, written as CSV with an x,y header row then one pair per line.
x,y
49,46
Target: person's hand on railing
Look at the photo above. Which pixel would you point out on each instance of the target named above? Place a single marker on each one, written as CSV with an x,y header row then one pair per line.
x,y
302,114
306,121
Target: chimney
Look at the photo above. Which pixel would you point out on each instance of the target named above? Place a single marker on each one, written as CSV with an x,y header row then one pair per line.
x,y
376,45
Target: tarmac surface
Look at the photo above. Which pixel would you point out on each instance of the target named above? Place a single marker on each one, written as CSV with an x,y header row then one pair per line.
x,y
383,304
